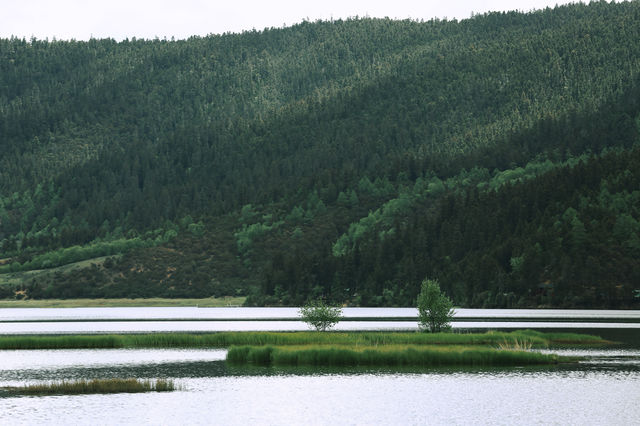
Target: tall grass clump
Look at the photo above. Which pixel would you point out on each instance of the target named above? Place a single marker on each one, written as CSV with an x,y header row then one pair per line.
x,y
97,386
227,339
394,355
62,342
515,345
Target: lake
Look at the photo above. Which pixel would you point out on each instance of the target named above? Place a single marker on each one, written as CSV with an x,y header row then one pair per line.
x,y
193,319
603,389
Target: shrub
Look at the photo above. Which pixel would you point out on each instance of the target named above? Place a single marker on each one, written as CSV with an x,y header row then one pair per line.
x,y
435,309
320,315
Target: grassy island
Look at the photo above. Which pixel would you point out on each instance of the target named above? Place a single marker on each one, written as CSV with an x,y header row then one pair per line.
x,y
526,338
98,386
391,355
491,348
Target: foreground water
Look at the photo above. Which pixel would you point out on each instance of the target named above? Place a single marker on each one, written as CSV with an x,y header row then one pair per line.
x,y
602,390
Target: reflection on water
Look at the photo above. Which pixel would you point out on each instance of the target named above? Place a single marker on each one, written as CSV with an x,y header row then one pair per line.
x,y
598,391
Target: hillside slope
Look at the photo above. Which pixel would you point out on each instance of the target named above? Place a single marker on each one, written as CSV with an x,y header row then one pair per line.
x,y
348,159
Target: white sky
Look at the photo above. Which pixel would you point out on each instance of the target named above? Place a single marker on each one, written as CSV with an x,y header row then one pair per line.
x,y
119,19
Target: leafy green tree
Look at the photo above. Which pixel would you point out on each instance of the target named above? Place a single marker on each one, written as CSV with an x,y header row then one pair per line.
x,y
320,315
435,309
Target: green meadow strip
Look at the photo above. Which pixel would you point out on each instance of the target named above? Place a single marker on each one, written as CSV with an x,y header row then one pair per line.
x,y
527,338
395,355
61,342
98,386
209,302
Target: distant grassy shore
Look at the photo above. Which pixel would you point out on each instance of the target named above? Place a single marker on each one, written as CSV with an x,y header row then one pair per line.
x,y
526,338
210,302
390,355
98,386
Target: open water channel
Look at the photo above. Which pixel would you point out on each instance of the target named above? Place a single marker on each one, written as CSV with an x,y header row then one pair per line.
x,y
603,389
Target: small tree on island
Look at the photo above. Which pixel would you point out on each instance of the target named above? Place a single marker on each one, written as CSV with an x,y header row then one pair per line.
x,y
435,309
319,315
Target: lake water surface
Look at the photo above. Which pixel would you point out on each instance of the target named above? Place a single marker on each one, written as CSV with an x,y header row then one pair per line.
x,y
602,390
193,319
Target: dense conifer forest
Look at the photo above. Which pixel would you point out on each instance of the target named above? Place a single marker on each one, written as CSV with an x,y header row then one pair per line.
x,y
347,159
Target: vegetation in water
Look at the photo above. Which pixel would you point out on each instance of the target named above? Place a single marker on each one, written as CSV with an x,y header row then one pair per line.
x,y
347,159
391,355
319,315
227,339
435,309
97,386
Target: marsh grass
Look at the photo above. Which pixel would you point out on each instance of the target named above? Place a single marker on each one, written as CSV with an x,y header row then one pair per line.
x,y
567,338
515,345
98,386
227,339
61,342
391,355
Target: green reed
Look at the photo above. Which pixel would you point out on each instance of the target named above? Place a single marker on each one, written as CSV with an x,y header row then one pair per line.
x,y
97,386
226,339
393,355
61,342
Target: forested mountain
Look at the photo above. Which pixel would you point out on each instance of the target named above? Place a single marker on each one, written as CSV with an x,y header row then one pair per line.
x,y
345,159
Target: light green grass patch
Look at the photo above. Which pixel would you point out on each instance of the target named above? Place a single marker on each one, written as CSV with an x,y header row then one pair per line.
x,y
14,278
